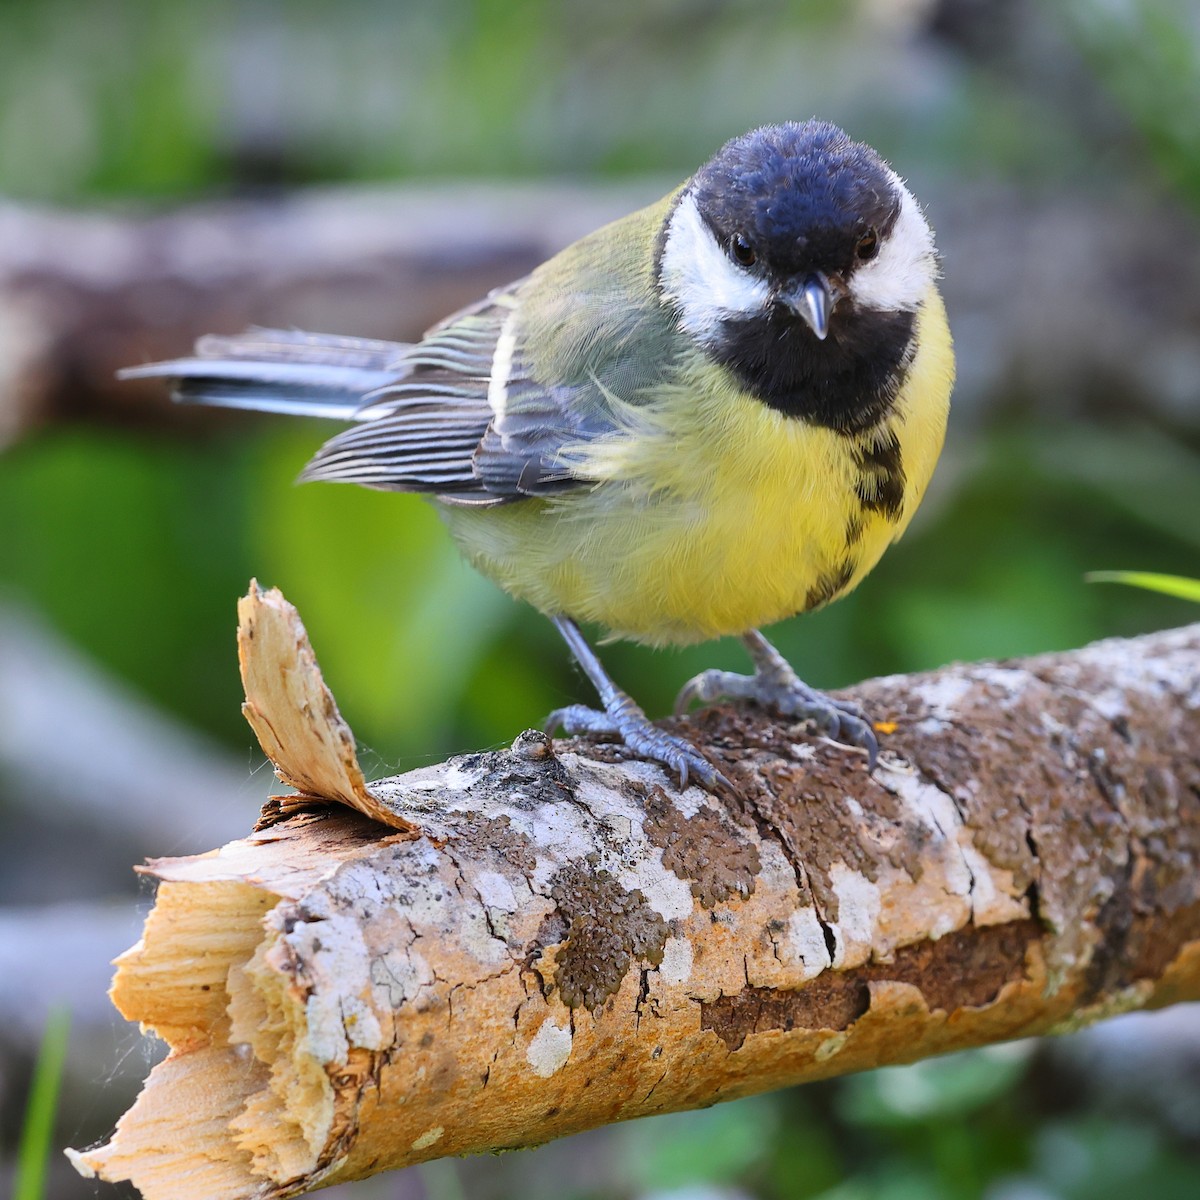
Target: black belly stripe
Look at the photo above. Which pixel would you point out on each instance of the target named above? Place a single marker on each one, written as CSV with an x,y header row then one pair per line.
x,y
829,583
854,529
881,484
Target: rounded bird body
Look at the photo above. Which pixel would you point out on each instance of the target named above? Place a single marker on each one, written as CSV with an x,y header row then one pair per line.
x,y
705,417
736,518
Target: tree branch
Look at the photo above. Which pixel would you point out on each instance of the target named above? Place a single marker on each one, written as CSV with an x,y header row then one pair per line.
x,y
84,293
531,942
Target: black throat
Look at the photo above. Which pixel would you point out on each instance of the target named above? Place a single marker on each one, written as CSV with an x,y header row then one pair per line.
x,y
848,382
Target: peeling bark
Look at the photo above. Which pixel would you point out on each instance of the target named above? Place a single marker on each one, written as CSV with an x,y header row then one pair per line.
x,y
528,943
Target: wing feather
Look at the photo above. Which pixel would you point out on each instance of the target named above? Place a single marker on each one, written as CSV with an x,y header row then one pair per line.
x,y
486,407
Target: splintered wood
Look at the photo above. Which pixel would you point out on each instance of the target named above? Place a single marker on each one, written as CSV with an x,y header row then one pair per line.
x,y
517,945
292,712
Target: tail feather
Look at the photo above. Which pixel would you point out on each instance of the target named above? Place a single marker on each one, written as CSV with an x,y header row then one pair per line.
x,y
281,371
294,345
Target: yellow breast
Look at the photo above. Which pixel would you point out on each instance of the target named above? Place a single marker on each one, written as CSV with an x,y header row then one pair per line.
x,y
713,513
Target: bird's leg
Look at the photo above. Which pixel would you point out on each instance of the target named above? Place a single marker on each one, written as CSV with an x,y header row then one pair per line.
x,y
775,685
622,718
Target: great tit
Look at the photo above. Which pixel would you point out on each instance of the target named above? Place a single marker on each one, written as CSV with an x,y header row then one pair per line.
x,y
700,419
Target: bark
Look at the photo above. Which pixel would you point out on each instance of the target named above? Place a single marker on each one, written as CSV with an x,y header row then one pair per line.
x,y
526,943
84,293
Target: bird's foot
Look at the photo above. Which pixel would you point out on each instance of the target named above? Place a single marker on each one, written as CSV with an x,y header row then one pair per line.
x,y
626,721
779,688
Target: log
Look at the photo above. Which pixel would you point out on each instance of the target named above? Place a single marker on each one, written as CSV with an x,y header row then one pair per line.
x,y
516,945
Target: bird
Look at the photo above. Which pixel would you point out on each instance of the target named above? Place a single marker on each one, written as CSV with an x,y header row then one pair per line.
x,y
696,421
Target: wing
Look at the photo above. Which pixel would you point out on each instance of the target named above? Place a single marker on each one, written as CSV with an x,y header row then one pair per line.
x,y
420,430
486,407
496,403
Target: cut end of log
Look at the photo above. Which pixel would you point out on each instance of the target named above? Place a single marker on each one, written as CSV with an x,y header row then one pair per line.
x,y
242,1102
238,1088
180,982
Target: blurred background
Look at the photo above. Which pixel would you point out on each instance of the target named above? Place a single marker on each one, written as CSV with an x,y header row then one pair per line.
x,y
364,167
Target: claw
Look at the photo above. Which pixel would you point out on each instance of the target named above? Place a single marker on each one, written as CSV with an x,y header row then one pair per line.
x,y
706,687
775,685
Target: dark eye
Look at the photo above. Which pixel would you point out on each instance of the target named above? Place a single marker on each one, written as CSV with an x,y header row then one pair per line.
x,y
741,250
868,245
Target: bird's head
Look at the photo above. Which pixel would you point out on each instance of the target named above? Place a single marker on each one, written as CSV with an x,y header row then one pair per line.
x,y
797,258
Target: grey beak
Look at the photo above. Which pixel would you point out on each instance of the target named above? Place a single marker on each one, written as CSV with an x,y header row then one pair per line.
x,y
812,300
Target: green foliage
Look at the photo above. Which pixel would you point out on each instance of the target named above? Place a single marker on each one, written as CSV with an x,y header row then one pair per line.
x,y
716,1146
135,550
1147,52
963,1127
170,99
38,1131
1090,1158
936,1090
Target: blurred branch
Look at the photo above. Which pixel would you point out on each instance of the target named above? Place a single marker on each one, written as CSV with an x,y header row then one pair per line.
x,y
58,954
82,294
78,746
531,942
1071,298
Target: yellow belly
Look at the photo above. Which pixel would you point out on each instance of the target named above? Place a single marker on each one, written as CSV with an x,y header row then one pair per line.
x,y
712,513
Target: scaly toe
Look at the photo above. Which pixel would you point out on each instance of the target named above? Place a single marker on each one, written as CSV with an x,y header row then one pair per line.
x,y
578,718
853,730
841,720
708,686
642,738
676,755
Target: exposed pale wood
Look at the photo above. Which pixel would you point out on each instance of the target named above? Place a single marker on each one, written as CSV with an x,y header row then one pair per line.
x,y
567,941
282,680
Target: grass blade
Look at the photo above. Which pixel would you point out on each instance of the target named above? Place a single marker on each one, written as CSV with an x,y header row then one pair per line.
x,y
38,1131
1169,585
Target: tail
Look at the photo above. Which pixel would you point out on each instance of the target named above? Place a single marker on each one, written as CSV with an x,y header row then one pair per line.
x,y
281,371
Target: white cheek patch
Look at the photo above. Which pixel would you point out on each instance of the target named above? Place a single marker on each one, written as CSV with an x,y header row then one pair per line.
x,y
702,281
898,279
